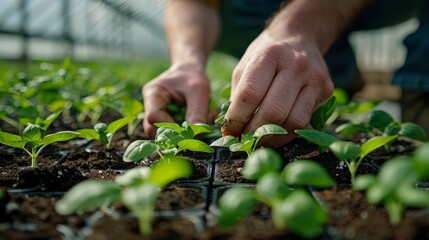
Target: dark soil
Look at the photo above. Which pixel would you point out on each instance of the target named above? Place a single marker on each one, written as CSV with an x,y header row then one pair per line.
x,y
63,165
352,217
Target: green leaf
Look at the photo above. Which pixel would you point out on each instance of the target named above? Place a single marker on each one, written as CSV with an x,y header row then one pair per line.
x,y
413,197
168,137
262,161
379,119
375,143
225,141
32,133
392,129
364,182
317,137
88,195
89,134
412,131
242,147
11,140
322,114
235,204
138,150
132,108
118,124
268,129
173,126
348,129
100,127
198,128
272,188
301,214
134,177
345,151
59,137
169,170
307,173
420,160
49,120
195,145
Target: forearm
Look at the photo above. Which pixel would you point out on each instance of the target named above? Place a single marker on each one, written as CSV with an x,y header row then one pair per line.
x,y
192,29
317,21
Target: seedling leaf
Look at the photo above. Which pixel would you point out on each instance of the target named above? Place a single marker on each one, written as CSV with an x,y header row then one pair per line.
x,y
225,141
375,143
173,126
379,119
317,137
268,129
412,131
234,205
11,140
118,124
345,151
139,149
59,137
322,114
172,168
195,145
261,162
88,195
307,173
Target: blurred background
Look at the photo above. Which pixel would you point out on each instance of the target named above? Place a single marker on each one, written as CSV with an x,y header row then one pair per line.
x,y
91,30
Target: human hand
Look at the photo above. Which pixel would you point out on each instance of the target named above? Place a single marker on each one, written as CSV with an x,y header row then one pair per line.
x,y
180,84
280,81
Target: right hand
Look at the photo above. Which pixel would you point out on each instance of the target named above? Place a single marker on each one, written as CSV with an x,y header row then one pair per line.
x,y
185,84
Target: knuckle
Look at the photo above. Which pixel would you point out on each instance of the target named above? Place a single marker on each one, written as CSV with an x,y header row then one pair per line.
x,y
249,92
275,113
301,63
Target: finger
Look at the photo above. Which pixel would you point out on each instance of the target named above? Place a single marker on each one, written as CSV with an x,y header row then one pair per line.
x,y
278,102
298,118
250,91
198,105
155,100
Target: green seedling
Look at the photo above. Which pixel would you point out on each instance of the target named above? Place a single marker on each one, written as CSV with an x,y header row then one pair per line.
x,y
33,140
248,141
103,132
351,153
129,107
394,186
223,109
137,189
170,139
354,111
283,190
379,123
323,113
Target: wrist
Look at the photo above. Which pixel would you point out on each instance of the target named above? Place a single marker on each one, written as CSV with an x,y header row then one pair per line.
x,y
315,22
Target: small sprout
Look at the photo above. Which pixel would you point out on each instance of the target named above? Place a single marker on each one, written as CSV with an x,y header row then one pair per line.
x,y
394,186
137,189
352,154
33,141
284,191
323,113
103,132
249,141
169,141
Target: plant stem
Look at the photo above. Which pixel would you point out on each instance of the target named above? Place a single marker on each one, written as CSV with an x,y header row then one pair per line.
x,y
394,210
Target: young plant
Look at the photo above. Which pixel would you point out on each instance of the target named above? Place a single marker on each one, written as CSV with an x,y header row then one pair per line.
x,y
130,107
33,140
379,123
248,141
395,185
323,113
103,132
351,153
283,190
170,139
137,189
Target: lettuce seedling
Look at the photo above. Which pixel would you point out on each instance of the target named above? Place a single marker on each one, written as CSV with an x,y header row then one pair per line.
x,y
103,132
394,186
33,140
351,153
283,190
170,139
137,189
248,141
